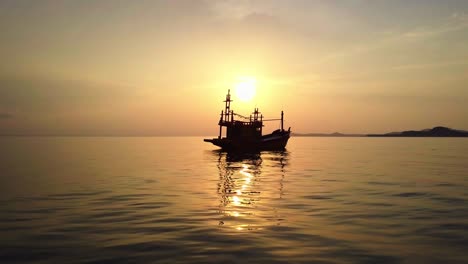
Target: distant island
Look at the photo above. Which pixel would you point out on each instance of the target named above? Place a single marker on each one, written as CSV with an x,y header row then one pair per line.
x,y
336,134
438,131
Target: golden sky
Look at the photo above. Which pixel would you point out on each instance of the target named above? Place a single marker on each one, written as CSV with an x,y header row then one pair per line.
x,y
164,67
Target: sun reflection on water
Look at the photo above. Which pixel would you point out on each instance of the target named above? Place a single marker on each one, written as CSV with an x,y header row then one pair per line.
x,y
249,188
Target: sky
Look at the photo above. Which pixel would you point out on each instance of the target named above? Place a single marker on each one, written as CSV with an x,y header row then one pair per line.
x,y
164,67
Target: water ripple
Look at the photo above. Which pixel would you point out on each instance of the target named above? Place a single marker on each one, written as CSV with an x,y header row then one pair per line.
x,y
170,200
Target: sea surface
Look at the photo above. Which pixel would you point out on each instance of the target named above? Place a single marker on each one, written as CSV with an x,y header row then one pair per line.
x,y
179,200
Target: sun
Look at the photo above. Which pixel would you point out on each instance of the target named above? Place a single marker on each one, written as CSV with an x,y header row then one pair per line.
x,y
245,88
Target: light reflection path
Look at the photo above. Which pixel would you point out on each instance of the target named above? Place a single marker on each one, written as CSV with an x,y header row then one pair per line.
x,y
250,188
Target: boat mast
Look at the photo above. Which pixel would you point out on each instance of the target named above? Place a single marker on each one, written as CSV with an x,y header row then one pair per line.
x,y
282,114
227,110
226,113
220,124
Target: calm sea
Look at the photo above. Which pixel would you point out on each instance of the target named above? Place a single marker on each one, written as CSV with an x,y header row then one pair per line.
x,y
178,200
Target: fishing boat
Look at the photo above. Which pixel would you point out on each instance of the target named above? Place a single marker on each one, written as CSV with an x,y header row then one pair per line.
x,y
246,134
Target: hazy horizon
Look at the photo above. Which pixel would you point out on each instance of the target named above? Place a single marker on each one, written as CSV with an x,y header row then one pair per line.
x,y
164,67
201,135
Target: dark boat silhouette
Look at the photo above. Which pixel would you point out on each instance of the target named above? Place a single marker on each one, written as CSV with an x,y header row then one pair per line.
x,y
246,134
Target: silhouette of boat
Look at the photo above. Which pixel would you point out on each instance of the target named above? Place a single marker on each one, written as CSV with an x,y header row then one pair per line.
x,y
246,134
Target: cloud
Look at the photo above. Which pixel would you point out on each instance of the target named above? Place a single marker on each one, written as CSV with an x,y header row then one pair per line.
x,y
456,23
5,115
438,64
260,18
38,93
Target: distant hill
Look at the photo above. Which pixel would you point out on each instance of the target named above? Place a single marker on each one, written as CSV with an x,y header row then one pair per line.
x,y
336,134
438,131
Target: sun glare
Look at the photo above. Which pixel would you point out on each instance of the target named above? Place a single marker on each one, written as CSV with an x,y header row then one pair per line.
x,y
245,89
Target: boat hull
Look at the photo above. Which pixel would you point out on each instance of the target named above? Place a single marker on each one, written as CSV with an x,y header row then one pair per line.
x,y
274,141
